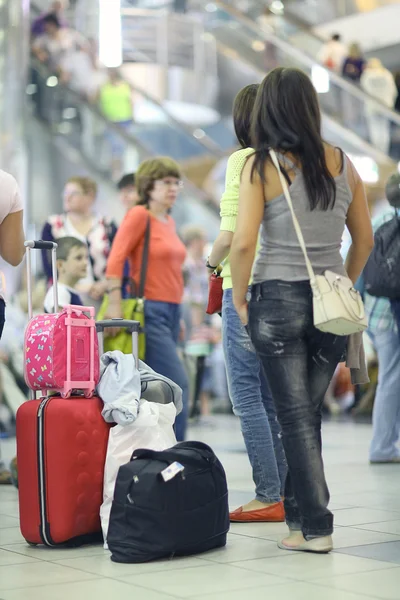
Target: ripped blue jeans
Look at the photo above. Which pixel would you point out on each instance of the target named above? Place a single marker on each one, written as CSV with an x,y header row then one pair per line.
x,y
299,361
252,403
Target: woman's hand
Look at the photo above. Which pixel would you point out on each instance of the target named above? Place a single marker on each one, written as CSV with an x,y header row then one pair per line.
x,y
242,310
98,289
114,311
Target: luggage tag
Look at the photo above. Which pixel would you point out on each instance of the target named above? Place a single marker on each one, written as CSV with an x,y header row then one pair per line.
x,y
172,471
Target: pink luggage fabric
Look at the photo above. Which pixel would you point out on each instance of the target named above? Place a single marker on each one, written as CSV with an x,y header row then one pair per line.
x,y
61,352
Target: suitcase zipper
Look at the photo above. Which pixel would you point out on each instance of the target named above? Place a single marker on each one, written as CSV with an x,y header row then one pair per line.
x,y
44,525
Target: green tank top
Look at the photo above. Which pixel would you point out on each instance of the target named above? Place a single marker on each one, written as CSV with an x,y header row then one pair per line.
x,y
116,102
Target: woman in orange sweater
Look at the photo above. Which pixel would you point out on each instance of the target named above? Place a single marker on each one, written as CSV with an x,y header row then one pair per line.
x,y
158,184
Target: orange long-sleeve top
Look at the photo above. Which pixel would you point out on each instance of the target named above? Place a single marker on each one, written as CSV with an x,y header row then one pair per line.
x,y
167,253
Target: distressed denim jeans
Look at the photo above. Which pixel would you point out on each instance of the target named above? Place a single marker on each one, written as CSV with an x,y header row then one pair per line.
x,y
252,403
299,361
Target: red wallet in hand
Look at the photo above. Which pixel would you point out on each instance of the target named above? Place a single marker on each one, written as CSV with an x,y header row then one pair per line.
x,y
215,293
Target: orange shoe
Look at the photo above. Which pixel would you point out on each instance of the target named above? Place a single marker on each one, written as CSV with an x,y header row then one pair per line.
x,y
275,513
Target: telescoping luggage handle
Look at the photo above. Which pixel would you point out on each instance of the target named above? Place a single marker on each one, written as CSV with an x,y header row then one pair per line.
x,y
41,245
132,327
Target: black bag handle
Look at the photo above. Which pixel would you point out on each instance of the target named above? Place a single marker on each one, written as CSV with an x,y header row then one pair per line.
x,y
169,456
145,258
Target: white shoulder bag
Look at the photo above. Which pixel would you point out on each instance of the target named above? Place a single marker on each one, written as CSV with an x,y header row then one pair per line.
x,y
337,305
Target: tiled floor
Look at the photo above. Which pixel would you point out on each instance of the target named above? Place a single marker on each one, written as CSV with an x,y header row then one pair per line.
x,y
365,563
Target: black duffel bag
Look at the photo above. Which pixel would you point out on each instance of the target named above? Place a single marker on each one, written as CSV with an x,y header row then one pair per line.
x,y
170,503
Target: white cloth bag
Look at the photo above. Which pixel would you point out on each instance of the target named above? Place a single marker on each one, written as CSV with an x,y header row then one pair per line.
x,y
338,307
152,429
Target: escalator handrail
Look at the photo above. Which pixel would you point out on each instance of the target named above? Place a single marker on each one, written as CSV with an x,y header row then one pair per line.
x,y
204,141
130,139
301,56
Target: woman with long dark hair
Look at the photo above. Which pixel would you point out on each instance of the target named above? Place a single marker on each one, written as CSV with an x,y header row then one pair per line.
x,y
298,359
248,388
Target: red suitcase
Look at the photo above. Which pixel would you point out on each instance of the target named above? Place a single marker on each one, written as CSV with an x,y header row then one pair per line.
x,y
61,451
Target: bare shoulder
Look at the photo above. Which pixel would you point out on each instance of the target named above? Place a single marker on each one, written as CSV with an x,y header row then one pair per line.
x,y
249,174
335,158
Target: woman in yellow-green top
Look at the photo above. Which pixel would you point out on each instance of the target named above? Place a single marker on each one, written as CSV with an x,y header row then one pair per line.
x,y
115,101
248,388
115,98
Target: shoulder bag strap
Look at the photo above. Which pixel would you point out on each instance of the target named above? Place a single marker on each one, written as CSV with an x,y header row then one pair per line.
x,y
145,258
296,224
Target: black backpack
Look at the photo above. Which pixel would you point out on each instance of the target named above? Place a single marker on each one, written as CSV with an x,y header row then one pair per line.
x,y
382,271
152,518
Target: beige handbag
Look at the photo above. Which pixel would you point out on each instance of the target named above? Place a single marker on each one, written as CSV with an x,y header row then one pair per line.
x,y
337,305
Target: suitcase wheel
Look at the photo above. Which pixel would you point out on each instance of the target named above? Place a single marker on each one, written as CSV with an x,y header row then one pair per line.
x,y
66,394
89,394
31,544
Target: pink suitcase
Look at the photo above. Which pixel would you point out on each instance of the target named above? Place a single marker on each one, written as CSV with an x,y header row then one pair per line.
x,y
61,349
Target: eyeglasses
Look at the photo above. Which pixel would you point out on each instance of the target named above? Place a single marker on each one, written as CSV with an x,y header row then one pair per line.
x,y
170,183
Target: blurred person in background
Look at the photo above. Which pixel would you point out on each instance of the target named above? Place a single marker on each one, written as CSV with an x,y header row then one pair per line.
x,y
80,72
269,23
79,220
352,70
397,83
395,129
379,83
129,198
248,388
50,48
12,250
333,54
56,8
299,360
13,388
116,104
158,182
128,194
354,64
214,183
384,331
202,336
55,43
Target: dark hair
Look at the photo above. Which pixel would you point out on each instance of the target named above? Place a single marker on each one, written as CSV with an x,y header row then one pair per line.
x,y
242,110
393,190
65,245
151,170
126,180
52,19
336,37
287,118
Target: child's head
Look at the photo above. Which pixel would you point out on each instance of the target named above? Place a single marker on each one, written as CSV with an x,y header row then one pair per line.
x,y
195,240
72,260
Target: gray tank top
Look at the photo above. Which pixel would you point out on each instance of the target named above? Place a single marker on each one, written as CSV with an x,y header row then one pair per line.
x,y
280,256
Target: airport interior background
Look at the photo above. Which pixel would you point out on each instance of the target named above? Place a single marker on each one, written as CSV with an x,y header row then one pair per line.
x,y
182,62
